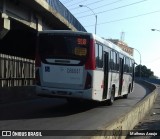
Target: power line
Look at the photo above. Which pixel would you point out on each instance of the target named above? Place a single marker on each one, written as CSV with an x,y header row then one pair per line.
x,y
99,7
95,2
91,4
76,3
114,8
67,1
122,19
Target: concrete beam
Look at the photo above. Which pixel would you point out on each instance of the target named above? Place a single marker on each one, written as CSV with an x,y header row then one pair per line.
x,y
52,11
36,14
4,21
17,10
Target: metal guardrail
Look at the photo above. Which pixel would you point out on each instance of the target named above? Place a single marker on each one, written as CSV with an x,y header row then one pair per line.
x,y
16,71
59,7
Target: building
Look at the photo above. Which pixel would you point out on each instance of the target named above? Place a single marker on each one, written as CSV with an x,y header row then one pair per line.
x,y
123,46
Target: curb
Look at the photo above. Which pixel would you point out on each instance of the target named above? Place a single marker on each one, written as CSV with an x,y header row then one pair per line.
x,y
119,128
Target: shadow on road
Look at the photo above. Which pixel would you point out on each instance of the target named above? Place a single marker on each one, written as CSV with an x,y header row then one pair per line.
x,y
43,108
54,107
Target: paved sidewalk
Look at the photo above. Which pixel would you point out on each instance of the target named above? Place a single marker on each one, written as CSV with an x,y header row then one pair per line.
x,y
150,122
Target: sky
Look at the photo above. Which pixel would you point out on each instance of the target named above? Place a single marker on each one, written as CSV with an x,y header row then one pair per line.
x,y
135,18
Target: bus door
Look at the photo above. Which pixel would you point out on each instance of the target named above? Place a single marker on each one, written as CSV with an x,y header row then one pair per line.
x,y
106,70
121,65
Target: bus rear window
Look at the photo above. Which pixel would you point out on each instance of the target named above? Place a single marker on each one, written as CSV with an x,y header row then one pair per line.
x,y
63,46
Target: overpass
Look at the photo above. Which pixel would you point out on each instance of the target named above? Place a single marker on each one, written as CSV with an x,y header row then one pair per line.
x,y
19,22
20,19
37,14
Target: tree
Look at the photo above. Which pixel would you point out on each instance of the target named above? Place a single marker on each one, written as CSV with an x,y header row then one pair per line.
x,y
145,72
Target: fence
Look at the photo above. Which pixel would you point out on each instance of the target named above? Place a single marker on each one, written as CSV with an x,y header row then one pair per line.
x,y
16,71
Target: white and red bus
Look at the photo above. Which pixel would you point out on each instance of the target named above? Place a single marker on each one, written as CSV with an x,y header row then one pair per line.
x,y
80,65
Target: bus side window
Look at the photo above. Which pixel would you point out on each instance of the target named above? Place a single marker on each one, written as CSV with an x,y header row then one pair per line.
x,y
99,56
96,54
117,61
130,66
133,66
111,63
126,64
114,61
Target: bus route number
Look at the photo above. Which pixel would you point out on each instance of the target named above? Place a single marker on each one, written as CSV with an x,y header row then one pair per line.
x,y
81,41
74,71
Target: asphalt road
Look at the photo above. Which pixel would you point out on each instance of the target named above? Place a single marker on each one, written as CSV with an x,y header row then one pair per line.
x,y
57,114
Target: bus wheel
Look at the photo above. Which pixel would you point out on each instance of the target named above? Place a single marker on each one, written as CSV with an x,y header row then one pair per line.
x,y
111,100
125,96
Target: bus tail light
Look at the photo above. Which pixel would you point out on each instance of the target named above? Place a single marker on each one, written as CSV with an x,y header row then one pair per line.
x,y
91,62
88,83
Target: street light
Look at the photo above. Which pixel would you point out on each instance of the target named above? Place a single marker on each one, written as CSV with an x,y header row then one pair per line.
x,y
155,30
140,63
93,14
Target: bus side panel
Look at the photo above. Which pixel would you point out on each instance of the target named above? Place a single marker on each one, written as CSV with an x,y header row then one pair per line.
x,y
98,78
126,81
109,85
113,79
115,82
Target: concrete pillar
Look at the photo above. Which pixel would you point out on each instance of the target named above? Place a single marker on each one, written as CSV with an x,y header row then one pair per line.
x,y
4,21
39,25
4,25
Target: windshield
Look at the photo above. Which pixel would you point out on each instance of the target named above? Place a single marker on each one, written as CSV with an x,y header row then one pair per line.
x,y
63,46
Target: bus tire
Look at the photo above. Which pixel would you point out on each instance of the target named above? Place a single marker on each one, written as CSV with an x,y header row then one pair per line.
x,y
111,100
125,96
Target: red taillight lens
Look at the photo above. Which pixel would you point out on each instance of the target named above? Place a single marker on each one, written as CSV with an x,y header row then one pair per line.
x,y
91,62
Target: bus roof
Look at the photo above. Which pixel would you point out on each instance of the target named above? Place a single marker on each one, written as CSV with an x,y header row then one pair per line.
x,y
63,31
112,45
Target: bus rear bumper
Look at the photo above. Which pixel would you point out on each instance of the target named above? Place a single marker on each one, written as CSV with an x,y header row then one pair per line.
x,y
64,93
